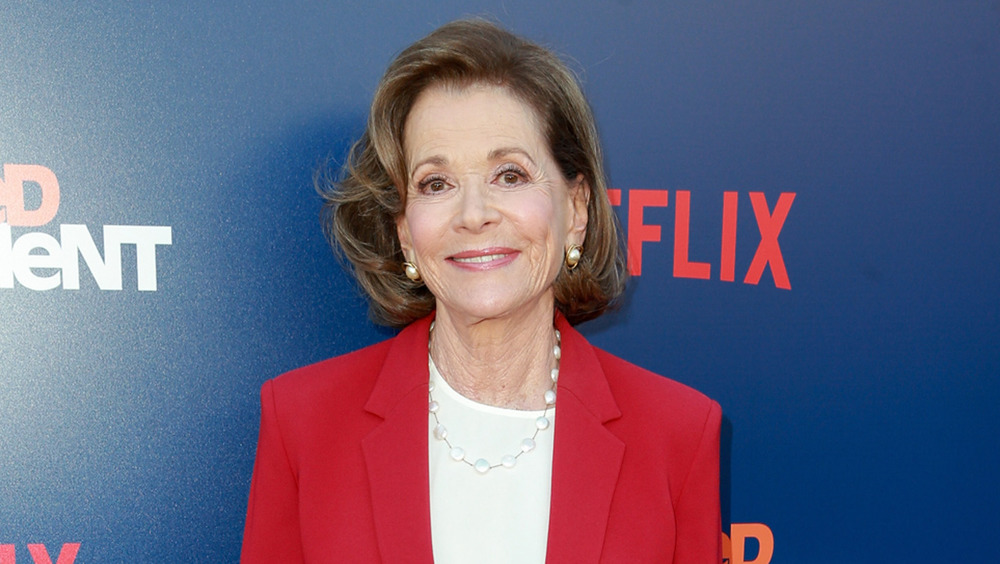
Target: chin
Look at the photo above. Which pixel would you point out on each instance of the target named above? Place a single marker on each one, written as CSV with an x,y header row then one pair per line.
x,y
493,306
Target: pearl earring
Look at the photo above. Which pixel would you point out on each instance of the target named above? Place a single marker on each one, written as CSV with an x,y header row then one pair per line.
x,y
573,254
411,271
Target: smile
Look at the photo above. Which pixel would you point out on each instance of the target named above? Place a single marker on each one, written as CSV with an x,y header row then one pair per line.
x,y
479,259
484,259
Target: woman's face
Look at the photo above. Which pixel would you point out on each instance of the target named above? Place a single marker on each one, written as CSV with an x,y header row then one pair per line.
x,y
488,212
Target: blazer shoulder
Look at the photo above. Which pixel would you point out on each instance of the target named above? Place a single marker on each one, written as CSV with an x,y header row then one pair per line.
x,y
638,389
351,375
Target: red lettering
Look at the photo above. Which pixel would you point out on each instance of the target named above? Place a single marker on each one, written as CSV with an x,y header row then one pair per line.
x,y
683,268
769,224
66,555
735,552
12,195
7,555
615,196
727,263
768,252
638,232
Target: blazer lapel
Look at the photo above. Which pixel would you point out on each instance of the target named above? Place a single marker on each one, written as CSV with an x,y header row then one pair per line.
x,y
585,466
396,450
587,457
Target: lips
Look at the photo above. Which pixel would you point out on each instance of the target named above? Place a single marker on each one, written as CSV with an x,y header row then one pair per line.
x,y
484,258
479,259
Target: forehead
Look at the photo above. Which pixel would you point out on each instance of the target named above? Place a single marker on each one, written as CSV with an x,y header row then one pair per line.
x,y
452,117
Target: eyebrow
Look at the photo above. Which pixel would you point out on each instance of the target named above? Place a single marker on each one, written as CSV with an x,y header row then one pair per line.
x,y
436,160
504,151
498,153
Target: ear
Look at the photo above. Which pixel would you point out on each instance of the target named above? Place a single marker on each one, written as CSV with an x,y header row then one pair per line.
x,y
405,239
579,194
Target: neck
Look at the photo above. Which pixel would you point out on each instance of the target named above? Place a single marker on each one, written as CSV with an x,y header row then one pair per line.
x,y
500,362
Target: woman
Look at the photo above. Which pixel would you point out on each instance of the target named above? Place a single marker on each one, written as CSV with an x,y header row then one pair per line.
x,y
474,213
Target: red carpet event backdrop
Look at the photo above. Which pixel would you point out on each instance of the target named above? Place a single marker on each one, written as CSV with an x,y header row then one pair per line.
x,y
810,195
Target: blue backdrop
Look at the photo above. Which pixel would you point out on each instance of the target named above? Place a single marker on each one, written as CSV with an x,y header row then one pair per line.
x,y
859,402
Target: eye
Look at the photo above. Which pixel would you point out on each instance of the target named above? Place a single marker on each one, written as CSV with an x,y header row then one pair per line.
x,y
432,185
512,175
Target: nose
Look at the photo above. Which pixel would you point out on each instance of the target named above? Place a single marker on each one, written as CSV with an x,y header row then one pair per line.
x,y
477,209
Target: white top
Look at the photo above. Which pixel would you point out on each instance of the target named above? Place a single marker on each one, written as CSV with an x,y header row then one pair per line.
x,y
501,516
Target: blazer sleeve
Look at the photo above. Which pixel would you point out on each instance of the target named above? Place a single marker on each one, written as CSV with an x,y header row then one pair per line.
x,y
272,532
699,524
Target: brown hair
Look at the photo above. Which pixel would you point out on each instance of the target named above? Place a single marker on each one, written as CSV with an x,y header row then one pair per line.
x,y
360,211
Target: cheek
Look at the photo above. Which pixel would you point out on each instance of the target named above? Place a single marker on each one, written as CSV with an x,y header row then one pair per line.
x,y
543,222
420,228
548,217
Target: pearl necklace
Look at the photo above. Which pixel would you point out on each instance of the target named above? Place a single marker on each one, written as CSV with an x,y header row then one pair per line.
x,y
527,445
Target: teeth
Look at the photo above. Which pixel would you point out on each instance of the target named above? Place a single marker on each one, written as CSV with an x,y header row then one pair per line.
x,y
484,258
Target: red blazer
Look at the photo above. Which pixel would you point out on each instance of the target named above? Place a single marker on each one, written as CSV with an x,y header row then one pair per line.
x,y
341,470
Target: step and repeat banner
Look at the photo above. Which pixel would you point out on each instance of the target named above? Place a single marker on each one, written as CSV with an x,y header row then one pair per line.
x,y
810,193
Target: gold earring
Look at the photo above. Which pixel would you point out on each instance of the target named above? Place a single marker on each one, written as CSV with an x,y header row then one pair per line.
x,y
573,255
411,271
